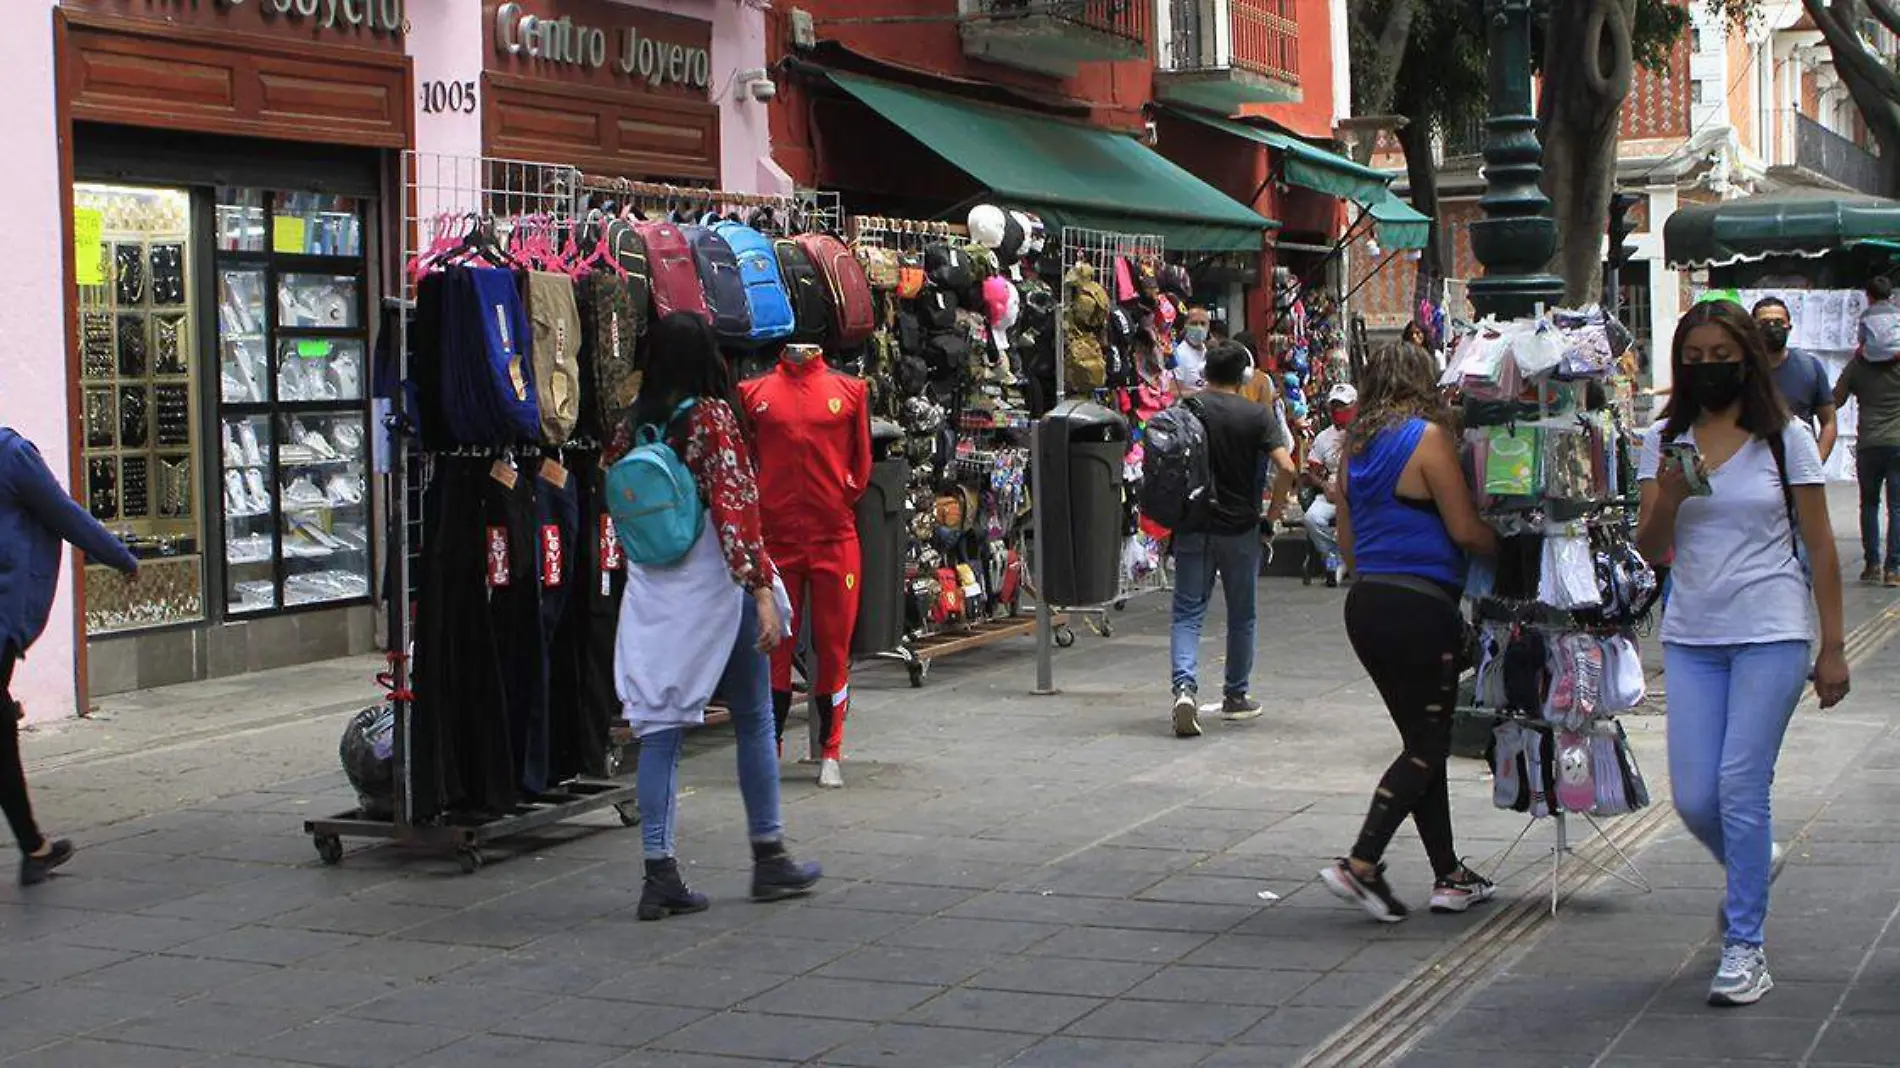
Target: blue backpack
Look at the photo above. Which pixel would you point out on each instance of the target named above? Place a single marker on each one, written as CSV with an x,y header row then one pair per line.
x,y
765,291
653,499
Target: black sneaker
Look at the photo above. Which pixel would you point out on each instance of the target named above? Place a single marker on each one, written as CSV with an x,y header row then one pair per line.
x,y
1187,713
1461,890
1371,894
36,869
776,876
1239,708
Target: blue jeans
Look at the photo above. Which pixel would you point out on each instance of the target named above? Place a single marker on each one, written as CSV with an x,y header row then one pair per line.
x,y
1198,559
1877,467
747,688
1729,706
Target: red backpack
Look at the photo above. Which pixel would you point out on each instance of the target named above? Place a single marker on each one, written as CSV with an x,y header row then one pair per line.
x,y
675,279
854,317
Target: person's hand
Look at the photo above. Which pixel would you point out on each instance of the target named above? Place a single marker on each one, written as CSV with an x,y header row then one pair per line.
x,y
769,624
1830,676
1672,482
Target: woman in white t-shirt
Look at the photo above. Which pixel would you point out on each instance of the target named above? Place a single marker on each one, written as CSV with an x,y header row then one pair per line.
x,y
1736,635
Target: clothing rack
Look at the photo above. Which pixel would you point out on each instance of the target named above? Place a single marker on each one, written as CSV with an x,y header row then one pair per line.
x,y
1517,613
814,209
497,193
1099,249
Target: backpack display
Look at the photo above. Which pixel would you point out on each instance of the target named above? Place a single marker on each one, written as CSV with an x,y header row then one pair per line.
x,y
1176,479
653,499
1120,347
949,267
948,351
854,316
937,308
675,280
1084,362
1176,282
630,252
811,300
1088,303
766,297
881,265
725,290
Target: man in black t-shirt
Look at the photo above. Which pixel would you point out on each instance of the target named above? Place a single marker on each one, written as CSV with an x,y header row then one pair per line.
x,y
1226,542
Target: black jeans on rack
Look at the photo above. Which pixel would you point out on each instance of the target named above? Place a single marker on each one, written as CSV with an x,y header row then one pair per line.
x,y
13,795
1409,642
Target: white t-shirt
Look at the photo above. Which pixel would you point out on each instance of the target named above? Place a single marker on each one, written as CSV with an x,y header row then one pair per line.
x,y
1325,450
1190,366
1736,579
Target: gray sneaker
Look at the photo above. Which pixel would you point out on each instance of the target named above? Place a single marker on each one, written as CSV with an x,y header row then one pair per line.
x,y
1187,714
1742,978
1239,709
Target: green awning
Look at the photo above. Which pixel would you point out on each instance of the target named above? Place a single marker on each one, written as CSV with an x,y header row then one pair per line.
x,y
1302,164
1401,226
1785,224
1071,174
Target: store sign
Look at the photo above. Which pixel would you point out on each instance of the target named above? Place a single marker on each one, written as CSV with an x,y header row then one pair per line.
x,y
551,36
381,18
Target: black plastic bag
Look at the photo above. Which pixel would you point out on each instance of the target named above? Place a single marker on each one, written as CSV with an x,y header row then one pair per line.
x,y
367,752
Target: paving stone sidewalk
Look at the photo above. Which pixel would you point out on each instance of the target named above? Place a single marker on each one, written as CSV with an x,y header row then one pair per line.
x,y
1012,880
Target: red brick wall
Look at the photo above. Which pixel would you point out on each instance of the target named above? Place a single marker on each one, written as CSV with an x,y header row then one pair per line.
x,y
1387,300
1658,104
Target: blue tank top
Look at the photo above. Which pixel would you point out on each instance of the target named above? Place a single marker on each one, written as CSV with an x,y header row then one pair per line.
x,y
1390,535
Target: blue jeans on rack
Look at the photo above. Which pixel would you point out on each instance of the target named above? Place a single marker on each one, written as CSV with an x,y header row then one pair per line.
x,y
1198,560
1729,706
747,689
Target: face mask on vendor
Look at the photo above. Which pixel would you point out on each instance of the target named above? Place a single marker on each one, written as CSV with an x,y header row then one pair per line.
x,y
1343,416
1197,334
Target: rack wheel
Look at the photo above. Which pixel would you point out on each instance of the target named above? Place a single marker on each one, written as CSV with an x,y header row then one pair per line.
x,y
1064,637
919,671
629,813
471,860
329,849
616,760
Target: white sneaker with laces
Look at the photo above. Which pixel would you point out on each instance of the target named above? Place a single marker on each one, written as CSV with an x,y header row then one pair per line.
x,y
1742,978
247,437
831,775
260,498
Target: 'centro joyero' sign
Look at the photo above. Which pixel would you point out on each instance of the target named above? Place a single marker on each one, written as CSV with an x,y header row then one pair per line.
x,y
569,43
384,18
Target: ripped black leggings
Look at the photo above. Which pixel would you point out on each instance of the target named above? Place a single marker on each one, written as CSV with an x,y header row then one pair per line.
x,y
1408,641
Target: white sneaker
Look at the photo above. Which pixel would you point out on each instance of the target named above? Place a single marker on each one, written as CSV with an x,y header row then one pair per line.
x,y
233,456
831,775
315,443
348,440
235,502
303,493
348,381
247,437
1187,714
1742,978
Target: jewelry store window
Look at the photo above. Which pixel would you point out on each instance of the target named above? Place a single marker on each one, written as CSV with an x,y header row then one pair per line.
x,y
293,351
138,391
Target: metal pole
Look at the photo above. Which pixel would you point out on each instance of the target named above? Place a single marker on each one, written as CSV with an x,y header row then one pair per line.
x,y
1613,282
1516,238
1045,619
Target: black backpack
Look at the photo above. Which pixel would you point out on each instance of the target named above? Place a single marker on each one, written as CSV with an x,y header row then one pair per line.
x,y
1176,479
949,267
722,283
1120,350
811,300
948,352
937,308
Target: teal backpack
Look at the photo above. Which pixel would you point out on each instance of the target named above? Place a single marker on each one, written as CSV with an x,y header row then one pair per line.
x,y
653,499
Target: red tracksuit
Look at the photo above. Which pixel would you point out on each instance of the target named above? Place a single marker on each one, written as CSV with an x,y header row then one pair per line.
x,y
812,431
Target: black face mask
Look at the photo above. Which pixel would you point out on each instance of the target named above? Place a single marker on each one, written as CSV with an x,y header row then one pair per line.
x,y
1714,385
1776,334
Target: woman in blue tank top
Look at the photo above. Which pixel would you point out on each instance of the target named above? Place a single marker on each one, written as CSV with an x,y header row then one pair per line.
x,y
1406,525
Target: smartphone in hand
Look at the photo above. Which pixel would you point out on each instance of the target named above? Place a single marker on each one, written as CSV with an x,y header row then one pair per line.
x,y
1686,456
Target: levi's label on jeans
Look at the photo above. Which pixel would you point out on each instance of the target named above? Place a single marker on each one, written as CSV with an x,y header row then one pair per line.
x,y
498,573
610,559
551,562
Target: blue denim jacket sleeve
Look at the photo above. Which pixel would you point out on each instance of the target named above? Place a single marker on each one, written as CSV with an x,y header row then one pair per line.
x,y
49,503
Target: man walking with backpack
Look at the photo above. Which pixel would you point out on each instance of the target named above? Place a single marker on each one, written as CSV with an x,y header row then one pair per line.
x,y
1219,536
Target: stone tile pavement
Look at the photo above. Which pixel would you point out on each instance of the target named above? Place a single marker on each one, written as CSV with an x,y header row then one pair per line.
x,y
1012,880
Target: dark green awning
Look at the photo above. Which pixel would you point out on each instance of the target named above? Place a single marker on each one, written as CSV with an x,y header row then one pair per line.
x,y
1301,164
1071,174
1785,224
1401,226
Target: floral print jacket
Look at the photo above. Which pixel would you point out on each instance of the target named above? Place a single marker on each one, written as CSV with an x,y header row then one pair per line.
x,y
721,463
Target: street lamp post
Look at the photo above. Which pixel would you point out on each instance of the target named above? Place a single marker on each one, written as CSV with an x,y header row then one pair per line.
x,y
1517,237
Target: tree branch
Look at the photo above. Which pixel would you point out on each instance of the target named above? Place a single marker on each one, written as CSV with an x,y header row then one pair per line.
x,y
1886,14
1848,51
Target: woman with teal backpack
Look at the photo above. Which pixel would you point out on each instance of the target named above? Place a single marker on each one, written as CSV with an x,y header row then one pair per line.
x,y
703,624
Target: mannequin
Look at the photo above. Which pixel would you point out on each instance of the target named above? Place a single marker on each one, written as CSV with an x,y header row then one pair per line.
x,y
812,431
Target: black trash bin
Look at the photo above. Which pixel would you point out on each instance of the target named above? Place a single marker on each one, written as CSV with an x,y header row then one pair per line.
x,y
1083,446
883,528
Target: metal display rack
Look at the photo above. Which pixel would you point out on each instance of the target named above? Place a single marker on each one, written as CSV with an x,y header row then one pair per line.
x,y
1099,249
437,189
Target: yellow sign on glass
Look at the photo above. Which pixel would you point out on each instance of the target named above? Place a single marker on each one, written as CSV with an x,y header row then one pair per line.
x,y
89,246
288,234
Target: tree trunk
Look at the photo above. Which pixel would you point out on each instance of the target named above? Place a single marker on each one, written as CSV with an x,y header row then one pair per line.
x,y
1421,173
1873,85
1373,86
1588,70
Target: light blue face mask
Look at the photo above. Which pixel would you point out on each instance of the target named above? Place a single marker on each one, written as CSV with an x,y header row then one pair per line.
x,y
1197,335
